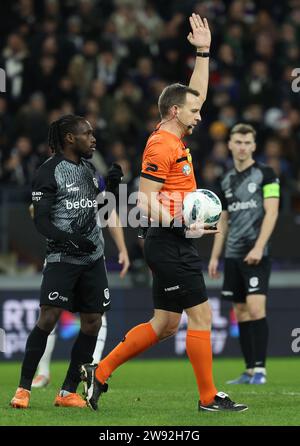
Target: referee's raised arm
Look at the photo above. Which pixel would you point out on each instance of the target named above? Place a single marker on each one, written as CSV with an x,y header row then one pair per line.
x,y
200,38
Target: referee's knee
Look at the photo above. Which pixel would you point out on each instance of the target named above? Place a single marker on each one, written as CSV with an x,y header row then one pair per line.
x,y
168,331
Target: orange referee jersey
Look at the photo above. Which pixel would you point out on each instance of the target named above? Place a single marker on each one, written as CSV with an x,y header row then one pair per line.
x,y
168,161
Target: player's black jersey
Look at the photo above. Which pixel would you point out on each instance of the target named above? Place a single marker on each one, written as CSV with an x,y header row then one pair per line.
x,y
68,191
243,195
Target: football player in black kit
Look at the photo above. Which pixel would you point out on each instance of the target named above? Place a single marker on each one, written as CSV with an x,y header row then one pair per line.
x,y
64,195
250,195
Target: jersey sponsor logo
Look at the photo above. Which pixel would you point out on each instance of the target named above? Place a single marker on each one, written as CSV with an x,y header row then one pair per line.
x,y
186,170
242,205
151,167
83,203
252,187
253,282
55,295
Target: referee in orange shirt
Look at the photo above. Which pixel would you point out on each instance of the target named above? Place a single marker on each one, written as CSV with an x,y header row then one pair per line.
x,y
167,174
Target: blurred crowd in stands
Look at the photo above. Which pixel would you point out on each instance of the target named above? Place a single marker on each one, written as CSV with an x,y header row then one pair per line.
x,y
109,60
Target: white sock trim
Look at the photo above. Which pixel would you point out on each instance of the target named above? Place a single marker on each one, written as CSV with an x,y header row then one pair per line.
x,y
260,370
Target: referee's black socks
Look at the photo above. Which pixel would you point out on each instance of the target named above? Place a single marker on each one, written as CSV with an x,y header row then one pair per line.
x,y
34,350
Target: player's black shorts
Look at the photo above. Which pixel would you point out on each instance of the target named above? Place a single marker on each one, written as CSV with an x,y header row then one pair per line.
x,y
177,271
76,288
241,279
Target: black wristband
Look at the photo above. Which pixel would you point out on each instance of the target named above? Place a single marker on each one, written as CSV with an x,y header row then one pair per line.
x,y
202,54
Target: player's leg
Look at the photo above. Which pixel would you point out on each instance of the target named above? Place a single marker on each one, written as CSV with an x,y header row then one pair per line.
x,y
83,349
35,347
53,288
246,342
97,355
234,291
257,280
91,300
42,378
256,304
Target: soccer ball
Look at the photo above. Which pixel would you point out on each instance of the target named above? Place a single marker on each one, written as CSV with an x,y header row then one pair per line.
x,y
201,206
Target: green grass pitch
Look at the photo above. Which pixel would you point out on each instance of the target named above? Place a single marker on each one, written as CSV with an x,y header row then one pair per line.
x,y
161,393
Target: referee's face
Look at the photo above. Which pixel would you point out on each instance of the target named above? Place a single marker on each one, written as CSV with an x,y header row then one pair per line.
x,y
84,141
188,115
242,146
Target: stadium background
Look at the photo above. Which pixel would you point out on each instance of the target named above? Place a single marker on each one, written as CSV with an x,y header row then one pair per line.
x,y
109,60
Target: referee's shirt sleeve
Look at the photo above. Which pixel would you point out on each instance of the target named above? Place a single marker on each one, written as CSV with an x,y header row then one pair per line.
x,y
156,163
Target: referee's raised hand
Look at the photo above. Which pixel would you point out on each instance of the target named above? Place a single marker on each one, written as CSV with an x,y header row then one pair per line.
x,y
200,36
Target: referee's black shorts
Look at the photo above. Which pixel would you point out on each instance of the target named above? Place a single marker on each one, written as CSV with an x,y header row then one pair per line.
x,y
177,271
242,280
76,288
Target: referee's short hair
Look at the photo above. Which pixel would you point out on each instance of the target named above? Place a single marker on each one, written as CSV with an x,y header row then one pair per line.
x,y
242,128
174,94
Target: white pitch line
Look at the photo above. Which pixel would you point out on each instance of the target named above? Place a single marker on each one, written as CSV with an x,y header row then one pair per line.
x,y
271,393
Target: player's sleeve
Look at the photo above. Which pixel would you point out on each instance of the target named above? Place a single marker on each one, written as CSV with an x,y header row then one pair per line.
x,y
156,163
270,184
219,191
101,200
44,188
101,183
100,179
